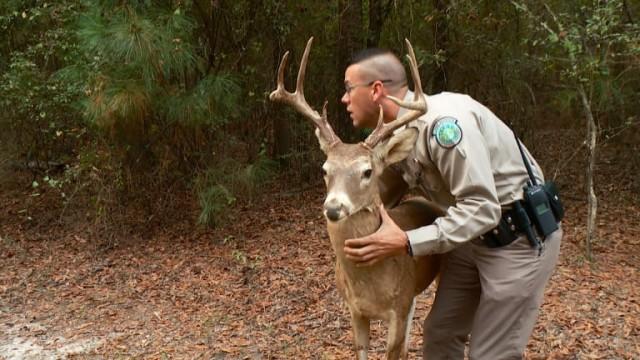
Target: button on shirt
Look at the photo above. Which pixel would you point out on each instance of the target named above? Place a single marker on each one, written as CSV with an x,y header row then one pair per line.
x,y
472,180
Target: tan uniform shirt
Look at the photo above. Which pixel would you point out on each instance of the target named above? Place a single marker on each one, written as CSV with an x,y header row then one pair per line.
x,y
471,180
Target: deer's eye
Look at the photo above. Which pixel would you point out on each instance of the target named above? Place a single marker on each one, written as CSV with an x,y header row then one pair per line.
x,y
367,173
324,171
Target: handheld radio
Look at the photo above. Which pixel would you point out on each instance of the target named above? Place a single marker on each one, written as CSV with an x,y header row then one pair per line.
x,y
536,201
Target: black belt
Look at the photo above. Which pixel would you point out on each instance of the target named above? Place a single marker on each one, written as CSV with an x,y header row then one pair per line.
x,y
503,234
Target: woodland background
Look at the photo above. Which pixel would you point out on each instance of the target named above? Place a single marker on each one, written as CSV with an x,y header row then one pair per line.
x,y
144,175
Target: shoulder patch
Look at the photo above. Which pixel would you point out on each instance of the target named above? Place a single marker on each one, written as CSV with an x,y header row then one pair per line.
x,y
447,132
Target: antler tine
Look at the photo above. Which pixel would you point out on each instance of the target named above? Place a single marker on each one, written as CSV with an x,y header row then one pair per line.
x,y
417,107
297,100
414,71
303,68
280,85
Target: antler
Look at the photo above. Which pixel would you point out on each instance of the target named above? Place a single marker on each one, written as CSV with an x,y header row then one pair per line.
x,y
297,100
417,107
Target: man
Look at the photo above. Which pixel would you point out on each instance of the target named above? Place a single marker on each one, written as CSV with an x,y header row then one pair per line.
x,y
467,161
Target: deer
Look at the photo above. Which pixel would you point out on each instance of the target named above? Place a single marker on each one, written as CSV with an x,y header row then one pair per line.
x,y
353,175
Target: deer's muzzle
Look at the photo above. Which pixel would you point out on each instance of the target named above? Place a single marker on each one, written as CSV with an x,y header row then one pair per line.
x,y
334,209
333,214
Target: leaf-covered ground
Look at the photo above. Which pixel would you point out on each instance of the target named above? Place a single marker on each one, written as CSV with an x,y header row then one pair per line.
x,y
262,287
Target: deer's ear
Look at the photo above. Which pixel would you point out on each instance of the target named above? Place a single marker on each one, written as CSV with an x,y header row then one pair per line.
x,y
398,146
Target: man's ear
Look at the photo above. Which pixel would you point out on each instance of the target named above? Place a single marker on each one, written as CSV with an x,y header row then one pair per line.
x,y
377,91
398,146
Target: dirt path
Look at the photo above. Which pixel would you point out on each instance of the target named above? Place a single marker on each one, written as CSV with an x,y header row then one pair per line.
x,y
263,289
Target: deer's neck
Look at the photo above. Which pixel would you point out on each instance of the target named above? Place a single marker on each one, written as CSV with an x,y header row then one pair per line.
x,y
362,223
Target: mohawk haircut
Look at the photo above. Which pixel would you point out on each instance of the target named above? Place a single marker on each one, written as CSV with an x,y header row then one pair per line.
x,y
381,64
366,54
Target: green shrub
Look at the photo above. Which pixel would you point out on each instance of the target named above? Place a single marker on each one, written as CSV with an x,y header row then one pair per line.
x,y
228,181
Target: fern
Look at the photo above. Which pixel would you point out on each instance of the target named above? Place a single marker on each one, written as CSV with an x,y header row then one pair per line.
x,y
221,185
258,173
214,200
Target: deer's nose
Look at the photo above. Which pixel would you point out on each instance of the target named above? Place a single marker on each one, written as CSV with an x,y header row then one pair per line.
x,y
333,214
334,209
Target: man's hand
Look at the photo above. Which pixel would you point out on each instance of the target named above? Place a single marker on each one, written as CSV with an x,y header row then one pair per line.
x,y
387,241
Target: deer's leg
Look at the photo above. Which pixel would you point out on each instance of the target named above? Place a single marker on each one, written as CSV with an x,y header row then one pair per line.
x,y
360,326
399,329
407,332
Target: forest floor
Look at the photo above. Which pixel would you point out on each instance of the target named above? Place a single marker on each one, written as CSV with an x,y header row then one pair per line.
x,y
262,287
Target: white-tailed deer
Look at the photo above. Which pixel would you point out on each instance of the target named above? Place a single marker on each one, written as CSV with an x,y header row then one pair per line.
x,y
385,290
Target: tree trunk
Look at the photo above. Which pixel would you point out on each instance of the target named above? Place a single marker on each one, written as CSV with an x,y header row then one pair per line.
x,y
282,134
349,40
441,40
281,138
378,11
592,133
627,12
